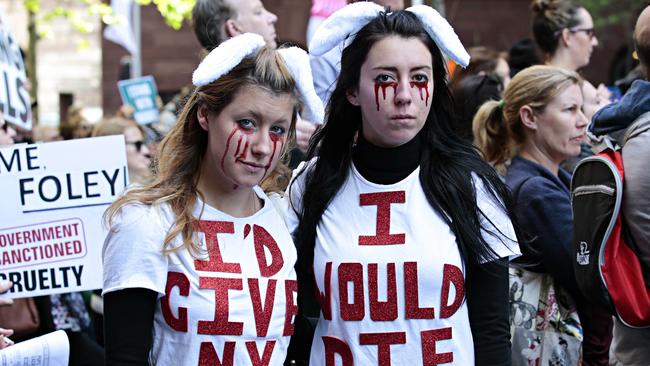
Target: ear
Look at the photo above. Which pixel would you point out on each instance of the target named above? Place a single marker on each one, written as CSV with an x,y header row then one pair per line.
x,y
352,97
528,117
232,29
565,37
202,117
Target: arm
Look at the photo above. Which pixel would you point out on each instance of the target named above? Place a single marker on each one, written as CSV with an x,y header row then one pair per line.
x,y
544,213
487,305
128,321
636,200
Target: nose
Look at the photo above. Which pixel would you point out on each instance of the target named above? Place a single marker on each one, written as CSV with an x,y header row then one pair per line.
x,y
144,149
594,41
272,17
261,144
403,93
583,121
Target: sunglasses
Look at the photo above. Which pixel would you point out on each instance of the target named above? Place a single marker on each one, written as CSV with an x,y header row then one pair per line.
x,y
590,32
137,144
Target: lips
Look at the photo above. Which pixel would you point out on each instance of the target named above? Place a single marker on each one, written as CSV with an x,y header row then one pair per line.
x,y
578,139
402,117
251,166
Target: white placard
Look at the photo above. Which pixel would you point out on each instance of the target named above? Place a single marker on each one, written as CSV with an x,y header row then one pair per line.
x,y
14,97
52,349
53,197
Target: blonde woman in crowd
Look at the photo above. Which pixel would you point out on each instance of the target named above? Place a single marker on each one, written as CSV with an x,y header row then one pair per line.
x,y
138,155
540,123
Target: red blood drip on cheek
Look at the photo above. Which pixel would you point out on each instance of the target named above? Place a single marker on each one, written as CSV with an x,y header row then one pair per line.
x,y
244,152
422,85
228,145
275,139
383,86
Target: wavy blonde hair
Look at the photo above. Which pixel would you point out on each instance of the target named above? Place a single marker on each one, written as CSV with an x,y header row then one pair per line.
x,y
182,151
498,130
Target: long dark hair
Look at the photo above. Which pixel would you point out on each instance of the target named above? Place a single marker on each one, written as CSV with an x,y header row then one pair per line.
x,y
447,162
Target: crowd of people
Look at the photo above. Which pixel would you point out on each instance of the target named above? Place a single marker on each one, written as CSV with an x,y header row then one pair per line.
x,y
359,203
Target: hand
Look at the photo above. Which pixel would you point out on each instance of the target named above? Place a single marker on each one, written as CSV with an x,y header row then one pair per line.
x,y
604,94
4,286
304,131
5,342
125,111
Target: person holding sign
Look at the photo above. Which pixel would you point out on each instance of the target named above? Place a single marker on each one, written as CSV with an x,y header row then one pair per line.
x,y
401,227
199,264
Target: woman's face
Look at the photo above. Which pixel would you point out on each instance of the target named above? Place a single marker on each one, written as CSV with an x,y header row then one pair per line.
x,y
560,128
246,139
582,39
7,134
137,154
394,91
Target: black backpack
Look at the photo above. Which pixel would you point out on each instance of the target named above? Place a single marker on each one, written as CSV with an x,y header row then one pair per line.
x,y
607,269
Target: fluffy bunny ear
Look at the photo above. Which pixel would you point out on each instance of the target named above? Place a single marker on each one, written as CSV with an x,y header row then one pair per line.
x,y
343,23
297,61
225,57
442,33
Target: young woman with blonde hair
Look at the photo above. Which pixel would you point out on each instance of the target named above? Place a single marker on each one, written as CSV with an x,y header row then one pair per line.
x,y
198,265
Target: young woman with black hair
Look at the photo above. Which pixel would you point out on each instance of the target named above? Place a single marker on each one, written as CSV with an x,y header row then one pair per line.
x,y
402,230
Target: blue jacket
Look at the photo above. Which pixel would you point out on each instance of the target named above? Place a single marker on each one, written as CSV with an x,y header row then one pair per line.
x,y
543,209
618,116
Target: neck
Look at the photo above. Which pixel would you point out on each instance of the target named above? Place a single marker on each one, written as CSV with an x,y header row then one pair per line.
x,y
562,59
531,152
386,165
220,193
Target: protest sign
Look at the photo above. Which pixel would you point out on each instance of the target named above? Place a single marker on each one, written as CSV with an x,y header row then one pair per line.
x,y
53,198
52,349
140,93
14,97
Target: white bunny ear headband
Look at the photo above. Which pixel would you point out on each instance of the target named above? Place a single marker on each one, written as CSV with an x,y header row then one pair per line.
x,y
347,21
230,53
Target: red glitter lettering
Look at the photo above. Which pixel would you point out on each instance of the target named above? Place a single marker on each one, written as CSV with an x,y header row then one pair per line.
x,y
290,288
247,230
383,86
422,86
382,200
351,272
254,353
451,274
383,341
262,240
215,262
175,279
208,355
262,313
220,325
429,339
382,310
334,346
411,293
325,299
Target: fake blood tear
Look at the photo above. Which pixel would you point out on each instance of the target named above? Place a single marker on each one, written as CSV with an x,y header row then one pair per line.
x,y
275,140
383,87
228,145
422,85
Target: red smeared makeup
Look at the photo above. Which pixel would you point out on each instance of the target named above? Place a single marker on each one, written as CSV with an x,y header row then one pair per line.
x,y
383,85
422,85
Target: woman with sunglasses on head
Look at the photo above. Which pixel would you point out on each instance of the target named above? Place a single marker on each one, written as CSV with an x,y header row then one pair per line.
x,y
199,264
403,232
138,157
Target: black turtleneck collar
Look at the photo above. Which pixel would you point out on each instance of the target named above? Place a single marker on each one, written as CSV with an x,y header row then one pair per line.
x,y
386,165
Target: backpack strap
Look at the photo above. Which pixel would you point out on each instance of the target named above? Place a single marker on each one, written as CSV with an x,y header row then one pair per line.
x,y
641,124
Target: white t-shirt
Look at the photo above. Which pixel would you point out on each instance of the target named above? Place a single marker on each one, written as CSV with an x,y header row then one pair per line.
x,y
391,277
234,305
